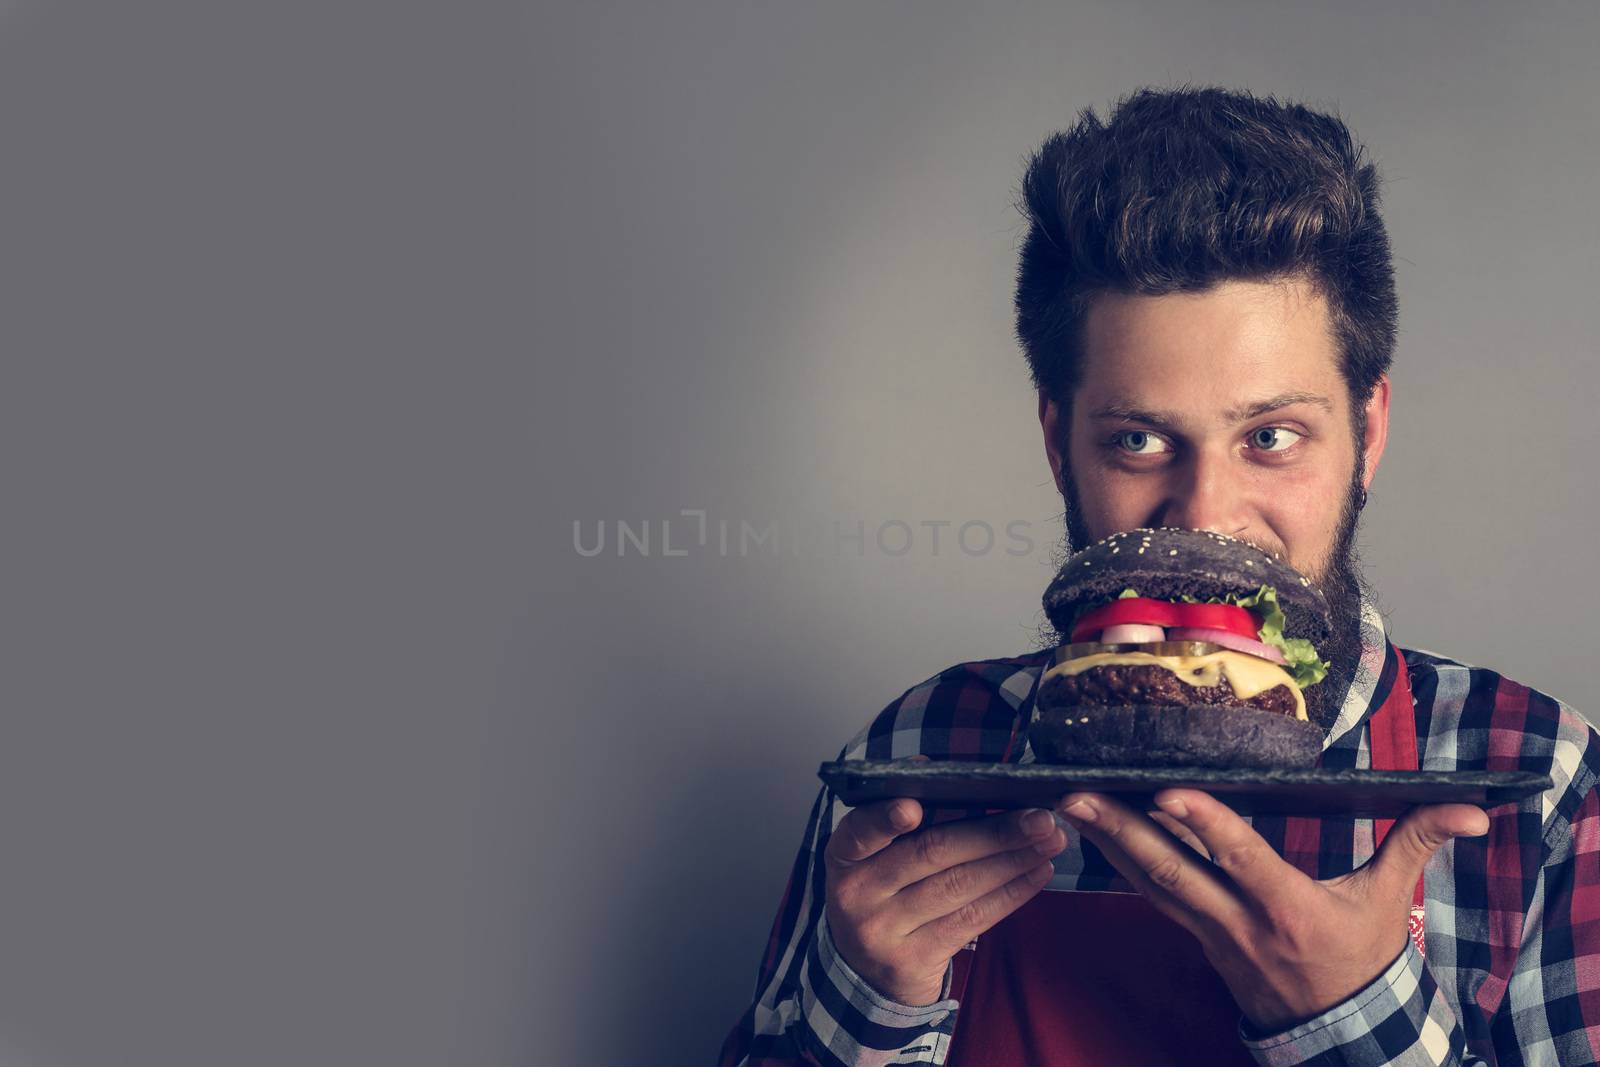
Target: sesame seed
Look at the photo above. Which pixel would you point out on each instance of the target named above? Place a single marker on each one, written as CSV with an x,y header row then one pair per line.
x,y
1142,548
1174,552
1084,719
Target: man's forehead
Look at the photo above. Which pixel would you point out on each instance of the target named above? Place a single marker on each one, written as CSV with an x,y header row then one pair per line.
x,y
1234,351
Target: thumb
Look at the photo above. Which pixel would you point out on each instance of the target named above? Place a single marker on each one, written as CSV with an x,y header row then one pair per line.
x,y
1415,838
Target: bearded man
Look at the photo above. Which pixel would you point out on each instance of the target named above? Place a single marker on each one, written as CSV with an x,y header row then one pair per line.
x,y
1206,301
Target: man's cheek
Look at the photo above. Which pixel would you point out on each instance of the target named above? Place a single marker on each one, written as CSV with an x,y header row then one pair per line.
x,y
1306,537
1117,504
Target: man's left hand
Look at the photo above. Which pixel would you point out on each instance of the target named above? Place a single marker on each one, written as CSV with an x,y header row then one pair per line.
x,y
1288,947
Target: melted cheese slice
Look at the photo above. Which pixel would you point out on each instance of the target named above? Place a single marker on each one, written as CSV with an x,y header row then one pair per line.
x,y
1246,675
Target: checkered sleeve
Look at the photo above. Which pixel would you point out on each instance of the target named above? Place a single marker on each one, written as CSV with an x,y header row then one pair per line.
x,y
1400,1019
811,1007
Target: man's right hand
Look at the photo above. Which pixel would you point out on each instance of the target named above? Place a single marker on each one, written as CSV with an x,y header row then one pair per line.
x,y
901,904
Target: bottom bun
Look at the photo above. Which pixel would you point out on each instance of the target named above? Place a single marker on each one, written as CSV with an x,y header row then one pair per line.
x,y
1145,735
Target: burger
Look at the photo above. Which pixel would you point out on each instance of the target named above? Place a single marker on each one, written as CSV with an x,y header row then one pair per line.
x,y
1183,648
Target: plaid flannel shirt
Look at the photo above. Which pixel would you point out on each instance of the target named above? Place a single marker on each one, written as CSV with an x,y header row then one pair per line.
x,y
1512,968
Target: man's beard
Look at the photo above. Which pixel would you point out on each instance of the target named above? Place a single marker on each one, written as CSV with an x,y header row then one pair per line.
x,y
1338,576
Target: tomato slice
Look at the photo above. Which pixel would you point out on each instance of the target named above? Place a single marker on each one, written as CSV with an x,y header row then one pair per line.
x,y
1134,609
1139,609
1228,617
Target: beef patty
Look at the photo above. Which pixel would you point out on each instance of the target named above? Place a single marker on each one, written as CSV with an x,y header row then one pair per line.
x,y
1147,683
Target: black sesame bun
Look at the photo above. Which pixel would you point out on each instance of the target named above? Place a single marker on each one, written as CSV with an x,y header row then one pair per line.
x,y
1170,563
1145,735
1179,701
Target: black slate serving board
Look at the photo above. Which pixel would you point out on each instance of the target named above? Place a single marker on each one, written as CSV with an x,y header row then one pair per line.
x,y
1249,791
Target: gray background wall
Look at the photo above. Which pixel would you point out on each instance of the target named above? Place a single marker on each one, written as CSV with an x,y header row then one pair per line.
x,y
324,322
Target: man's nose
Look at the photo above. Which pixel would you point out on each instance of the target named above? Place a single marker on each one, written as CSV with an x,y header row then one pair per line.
x,y
1203,495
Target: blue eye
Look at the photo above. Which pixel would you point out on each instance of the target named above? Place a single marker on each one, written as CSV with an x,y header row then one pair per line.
x,y
1140,442
1273,439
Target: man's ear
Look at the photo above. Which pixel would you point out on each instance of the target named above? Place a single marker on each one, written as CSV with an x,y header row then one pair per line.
x,y
1377,430
1050,417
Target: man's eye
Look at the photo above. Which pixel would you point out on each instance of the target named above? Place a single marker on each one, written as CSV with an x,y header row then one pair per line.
x,y
1273,439
1140,442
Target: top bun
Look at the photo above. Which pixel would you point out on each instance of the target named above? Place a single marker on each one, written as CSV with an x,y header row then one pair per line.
x,y
1169,563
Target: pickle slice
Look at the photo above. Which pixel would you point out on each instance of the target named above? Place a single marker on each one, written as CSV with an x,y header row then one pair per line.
x,y
1155,648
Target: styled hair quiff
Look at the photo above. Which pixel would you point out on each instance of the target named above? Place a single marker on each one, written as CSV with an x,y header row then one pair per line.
x,y
1185,188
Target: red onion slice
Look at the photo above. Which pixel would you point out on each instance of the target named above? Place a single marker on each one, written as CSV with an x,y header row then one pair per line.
x,y
1226,640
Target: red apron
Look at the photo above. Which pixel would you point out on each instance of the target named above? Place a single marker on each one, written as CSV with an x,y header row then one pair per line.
x,y
1134,987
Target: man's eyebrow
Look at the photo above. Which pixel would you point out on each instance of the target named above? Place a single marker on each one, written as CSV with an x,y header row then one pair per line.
x,y
1282,400
1129,413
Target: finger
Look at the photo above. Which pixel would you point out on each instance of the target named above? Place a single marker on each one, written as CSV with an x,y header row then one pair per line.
x,y
869,829
1155,862
1237,850
938,848
950,890
1180,831
1416,837
947,934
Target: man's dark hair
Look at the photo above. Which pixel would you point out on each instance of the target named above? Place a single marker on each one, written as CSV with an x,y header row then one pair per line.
x,y
1186,188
